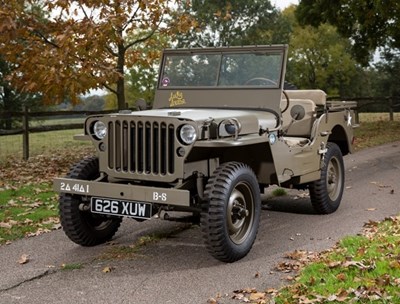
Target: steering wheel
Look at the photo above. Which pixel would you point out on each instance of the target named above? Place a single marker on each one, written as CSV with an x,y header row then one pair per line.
x,y
260,81
287,101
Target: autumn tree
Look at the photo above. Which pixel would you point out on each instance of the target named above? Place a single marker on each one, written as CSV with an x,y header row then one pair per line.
x,y
63,48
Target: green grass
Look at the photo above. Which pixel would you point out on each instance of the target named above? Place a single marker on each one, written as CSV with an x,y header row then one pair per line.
x,y
71,266
371,117
27,211
376,129
279,192
44,121
361,269
40,143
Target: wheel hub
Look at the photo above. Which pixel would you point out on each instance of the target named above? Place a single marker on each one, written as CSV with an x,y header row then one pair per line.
x,y
237,211
333,179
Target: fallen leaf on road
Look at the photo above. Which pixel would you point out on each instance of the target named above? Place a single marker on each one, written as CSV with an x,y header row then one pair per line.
x,y
23,259
371,209
257,296
107,269
271,290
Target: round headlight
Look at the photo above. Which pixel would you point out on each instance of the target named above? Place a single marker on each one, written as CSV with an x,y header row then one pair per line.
x,y
188,134
100,129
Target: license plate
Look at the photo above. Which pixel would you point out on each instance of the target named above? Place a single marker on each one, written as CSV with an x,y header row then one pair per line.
x,y
120,208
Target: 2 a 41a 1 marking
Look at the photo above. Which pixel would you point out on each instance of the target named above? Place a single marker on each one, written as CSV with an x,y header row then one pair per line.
x,y
79,188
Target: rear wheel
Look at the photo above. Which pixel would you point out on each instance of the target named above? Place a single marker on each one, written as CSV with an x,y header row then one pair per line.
x,y
326,193
83,227
231,213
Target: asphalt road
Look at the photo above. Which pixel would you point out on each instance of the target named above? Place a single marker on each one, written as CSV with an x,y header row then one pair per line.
x,y
178,269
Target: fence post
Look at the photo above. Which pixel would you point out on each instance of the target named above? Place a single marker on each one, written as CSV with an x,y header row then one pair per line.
x,y
25,135
391,115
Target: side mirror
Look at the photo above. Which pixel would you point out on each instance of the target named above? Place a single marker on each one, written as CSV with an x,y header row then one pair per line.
x,y
141,104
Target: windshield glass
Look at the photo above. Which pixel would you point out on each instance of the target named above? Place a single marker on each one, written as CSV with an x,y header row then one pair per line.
x,y
225,70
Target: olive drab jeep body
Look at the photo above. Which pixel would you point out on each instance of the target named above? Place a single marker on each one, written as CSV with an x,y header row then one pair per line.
x,y
221,130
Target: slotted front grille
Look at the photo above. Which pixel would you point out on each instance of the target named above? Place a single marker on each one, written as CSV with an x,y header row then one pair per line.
x,y
141,147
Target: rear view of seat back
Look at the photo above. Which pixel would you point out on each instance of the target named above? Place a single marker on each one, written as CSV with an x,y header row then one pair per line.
x,y
298,119
317,96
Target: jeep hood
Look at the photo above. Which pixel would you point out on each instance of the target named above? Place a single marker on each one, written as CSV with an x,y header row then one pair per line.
x,y
250,120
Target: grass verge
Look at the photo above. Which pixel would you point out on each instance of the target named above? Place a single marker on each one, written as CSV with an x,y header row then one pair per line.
x,y
40,143
375,133
28,205
27,211
360,269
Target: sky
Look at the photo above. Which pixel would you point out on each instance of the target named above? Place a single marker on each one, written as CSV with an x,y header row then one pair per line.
x,y
281,4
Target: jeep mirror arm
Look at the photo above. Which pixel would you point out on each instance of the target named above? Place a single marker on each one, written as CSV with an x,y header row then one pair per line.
x,y
287,101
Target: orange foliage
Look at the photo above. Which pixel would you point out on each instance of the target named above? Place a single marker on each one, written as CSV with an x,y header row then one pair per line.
x,y
64,48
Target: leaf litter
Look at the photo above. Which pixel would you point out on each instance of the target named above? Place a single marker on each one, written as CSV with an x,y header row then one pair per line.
x,y
25,210
367,273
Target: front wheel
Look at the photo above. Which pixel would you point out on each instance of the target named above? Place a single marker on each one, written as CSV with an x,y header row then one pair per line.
x,y
83,227
231,212
326,193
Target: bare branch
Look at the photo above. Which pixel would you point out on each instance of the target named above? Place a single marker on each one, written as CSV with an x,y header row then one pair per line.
x,y
45,39
83,10
109,49
145,37
110,88
131,19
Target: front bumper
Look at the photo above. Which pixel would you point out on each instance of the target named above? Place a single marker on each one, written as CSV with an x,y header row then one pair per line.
x,y
165,196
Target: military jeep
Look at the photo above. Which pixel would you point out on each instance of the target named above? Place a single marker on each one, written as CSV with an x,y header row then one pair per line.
x,y
221,130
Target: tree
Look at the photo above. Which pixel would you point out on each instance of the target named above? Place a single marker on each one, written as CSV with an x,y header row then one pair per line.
x,y
389,70
235,22
319,58
90,103
63,48
12,99
369,24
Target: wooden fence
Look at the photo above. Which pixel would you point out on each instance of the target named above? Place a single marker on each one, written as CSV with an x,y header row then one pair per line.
x,y
26,116
374,104
365,104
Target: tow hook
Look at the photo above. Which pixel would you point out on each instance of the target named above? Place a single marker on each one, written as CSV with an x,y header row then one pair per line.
x,y
84,207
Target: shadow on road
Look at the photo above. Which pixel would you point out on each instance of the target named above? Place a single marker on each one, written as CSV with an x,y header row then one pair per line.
x,y
289,204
